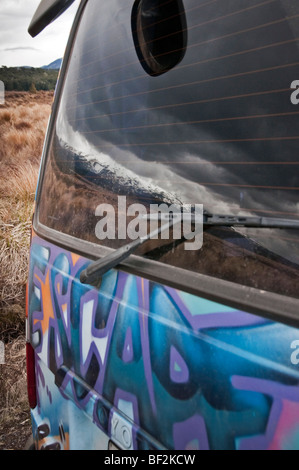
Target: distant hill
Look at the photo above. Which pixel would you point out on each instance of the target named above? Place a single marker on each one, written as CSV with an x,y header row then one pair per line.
x,y
29,78
54,65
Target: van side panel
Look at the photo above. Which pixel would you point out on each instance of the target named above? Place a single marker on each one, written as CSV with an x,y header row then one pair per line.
x,y
149,367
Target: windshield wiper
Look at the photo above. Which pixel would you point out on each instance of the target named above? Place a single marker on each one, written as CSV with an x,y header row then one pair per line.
x,y
100,267
251,221
226,220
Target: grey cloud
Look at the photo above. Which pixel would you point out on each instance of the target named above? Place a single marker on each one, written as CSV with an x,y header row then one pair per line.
x,y
16,45
21,48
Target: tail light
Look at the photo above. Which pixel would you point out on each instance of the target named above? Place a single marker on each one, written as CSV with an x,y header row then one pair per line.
x,y
31,381
30,362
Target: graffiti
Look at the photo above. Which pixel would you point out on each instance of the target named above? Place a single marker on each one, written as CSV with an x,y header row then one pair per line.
x,y
150,367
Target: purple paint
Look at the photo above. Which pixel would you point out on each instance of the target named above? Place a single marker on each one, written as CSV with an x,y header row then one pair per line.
x,y
191,434
235,318
279,392
127,355
143,299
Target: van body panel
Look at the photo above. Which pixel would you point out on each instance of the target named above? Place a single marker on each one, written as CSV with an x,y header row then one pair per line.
x,y
151,367
174,349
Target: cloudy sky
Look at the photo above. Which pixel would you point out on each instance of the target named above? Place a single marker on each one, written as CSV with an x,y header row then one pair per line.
x,y
18,48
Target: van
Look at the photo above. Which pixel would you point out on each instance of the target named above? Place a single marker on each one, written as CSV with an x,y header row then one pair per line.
x,y
163,290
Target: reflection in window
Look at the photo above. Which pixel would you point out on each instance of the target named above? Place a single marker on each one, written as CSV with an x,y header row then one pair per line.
x,y
218,130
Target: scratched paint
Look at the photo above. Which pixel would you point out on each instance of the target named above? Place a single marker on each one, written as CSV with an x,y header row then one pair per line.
x,y
150,367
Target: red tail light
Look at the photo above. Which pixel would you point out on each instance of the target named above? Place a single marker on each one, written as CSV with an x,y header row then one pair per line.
x,y
31,381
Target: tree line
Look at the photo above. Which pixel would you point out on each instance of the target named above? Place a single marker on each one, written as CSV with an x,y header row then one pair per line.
x,y
28,78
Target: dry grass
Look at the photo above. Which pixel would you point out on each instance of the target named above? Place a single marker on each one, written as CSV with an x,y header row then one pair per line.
x,y
13,393
14,412
23,122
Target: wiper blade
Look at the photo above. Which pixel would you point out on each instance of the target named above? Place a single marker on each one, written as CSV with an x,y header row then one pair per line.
x,y
101,266
209,219
252,221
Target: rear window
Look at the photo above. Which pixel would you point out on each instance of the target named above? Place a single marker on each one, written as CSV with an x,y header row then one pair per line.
x,y
183,102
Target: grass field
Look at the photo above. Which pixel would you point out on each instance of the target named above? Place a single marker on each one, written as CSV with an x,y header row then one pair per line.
x,y
23,122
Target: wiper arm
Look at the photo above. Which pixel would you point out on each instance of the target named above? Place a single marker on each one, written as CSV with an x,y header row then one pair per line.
x,y
100,267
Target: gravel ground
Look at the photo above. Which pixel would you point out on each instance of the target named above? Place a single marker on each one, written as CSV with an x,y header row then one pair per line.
x,y
14,436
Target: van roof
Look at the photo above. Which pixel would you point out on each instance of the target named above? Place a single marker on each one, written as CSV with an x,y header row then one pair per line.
x,y
46,13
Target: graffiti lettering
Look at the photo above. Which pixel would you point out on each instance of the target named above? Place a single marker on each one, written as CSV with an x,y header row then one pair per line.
x,y
120,353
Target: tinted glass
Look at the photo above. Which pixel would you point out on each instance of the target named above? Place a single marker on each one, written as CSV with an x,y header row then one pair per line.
x,y
220,129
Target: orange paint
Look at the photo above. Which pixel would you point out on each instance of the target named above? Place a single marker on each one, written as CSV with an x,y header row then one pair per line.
x,y
65,445
33,234
64,307
46,303
75,258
